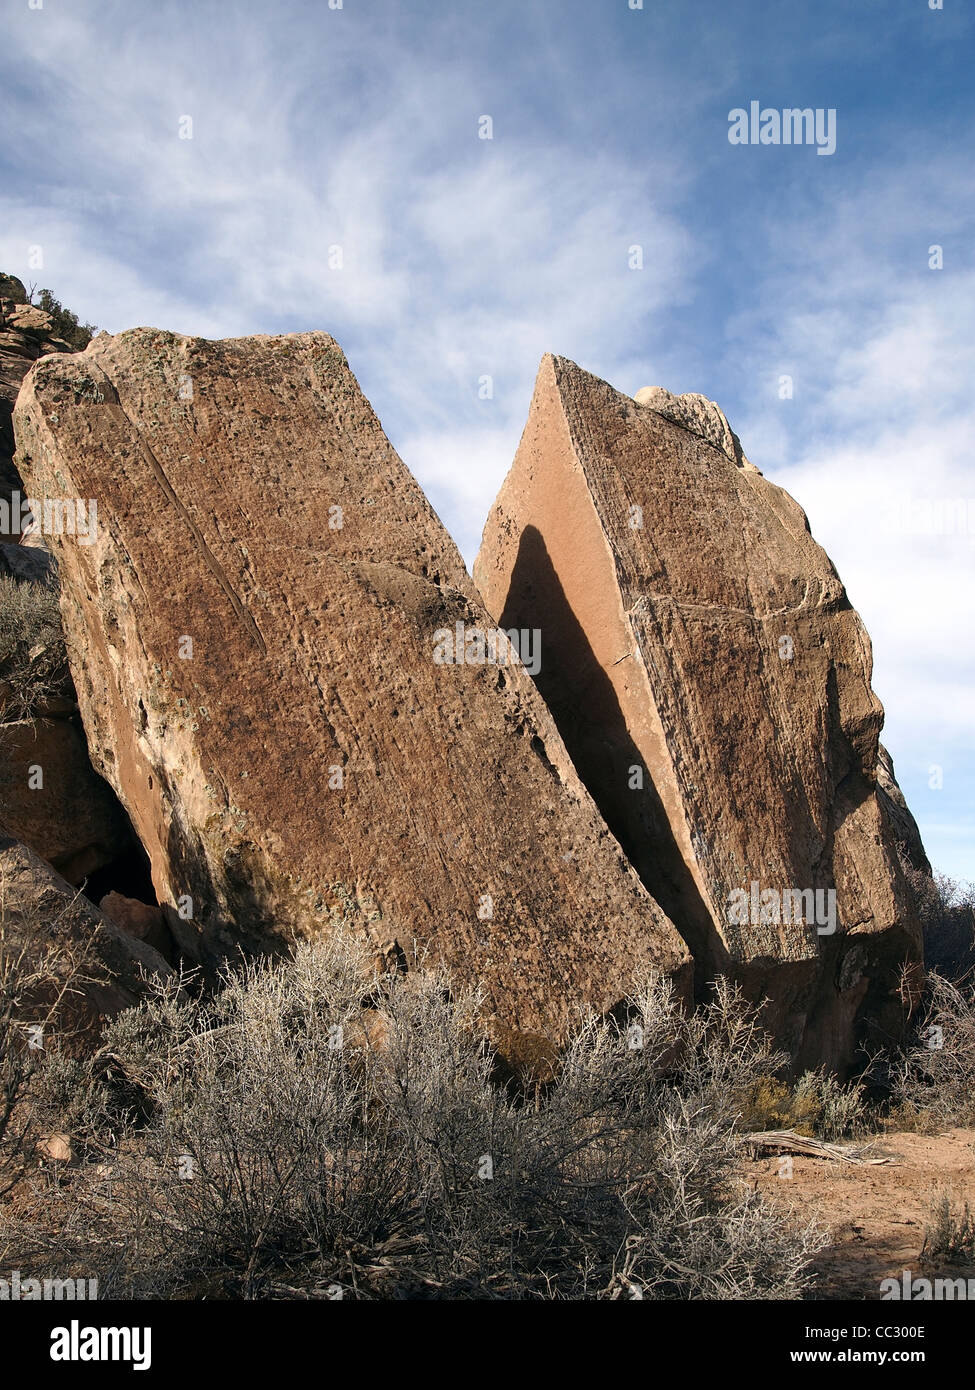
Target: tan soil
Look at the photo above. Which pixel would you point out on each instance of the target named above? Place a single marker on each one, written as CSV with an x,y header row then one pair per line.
x,y
877,1215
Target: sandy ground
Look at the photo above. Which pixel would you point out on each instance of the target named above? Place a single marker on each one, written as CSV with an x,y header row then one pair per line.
x,y
877,1214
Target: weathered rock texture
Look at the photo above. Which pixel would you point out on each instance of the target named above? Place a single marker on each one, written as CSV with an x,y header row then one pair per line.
x,y
69,943
257,681
695,636
698,415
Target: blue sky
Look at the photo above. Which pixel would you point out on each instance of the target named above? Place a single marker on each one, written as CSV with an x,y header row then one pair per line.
x,y
462,257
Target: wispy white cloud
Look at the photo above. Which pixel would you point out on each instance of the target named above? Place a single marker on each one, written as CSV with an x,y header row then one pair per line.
x,y
878,445
461,258
466,259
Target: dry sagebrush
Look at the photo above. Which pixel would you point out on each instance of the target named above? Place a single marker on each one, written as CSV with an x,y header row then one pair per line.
x,y
33,661
933,1083
315,1131
41,970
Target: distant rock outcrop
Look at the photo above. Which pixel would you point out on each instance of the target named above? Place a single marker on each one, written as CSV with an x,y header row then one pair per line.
x,y
712,684
286,674
26,333
32,563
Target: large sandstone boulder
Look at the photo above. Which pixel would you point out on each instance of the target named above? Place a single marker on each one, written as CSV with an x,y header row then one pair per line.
x,y
253,638
712,684
75,954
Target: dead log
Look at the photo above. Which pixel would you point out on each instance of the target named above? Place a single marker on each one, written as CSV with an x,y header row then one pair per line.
x,y
788,1141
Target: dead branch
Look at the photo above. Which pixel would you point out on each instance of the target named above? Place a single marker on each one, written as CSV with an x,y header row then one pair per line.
x,y
788,1141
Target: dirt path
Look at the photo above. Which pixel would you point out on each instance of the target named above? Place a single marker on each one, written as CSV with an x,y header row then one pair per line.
x,y
877,1215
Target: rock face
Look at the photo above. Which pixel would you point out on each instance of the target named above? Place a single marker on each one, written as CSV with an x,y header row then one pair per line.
x,y
40,910
54,801
712,684
260,639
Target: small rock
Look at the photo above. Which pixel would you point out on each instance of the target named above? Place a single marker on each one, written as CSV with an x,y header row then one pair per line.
x,y
56,1147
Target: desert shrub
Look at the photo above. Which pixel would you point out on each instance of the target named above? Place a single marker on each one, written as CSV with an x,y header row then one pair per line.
x,y
933,1083
33,661
313,1128
818,1105
946,907
39,972
66,325
949,1232
839,1110
769,1103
